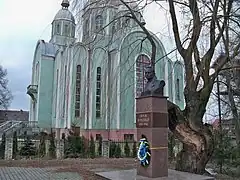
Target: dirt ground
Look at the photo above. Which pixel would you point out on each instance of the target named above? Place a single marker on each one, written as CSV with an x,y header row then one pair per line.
x,y
83,166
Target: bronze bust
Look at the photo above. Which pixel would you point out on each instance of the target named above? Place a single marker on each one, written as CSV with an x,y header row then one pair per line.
x,y
154,87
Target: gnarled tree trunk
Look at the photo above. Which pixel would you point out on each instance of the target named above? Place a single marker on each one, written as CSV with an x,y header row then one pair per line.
x,y
197,145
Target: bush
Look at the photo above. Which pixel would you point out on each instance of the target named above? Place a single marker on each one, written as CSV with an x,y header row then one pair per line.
x,y
2,146
80,146
28,149
126,149
112,149
225,153
75,147
92,147
42,145
171,145
15,145
118,151
52,147
70,149
134,150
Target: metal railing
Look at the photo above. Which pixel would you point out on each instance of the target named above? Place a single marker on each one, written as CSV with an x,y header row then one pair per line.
x,y
8,124
12,126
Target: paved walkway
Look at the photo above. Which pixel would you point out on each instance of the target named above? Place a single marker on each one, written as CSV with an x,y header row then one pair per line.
x,y
17,173
132,175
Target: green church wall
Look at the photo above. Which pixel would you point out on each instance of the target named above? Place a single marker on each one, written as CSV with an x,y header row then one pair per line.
x,y
99,59
79,57
45,89
116,53
130,49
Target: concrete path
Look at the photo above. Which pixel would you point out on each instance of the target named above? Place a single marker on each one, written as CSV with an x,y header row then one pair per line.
x,y
132,175
17,173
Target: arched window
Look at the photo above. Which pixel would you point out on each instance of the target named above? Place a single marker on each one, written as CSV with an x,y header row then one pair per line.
x,y
58,29
78,91
99,22
178,89
141,63
98,93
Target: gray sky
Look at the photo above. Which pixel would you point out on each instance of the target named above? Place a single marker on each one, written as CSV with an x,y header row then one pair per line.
x,y
23,23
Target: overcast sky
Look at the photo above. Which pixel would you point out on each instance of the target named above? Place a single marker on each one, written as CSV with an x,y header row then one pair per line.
x,y
23,23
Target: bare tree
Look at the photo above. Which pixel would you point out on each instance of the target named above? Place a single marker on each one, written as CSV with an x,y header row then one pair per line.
x,y
187,124
211,18
230,74
231,96
5,93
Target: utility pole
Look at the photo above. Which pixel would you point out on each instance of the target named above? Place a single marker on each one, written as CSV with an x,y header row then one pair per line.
x,y
220,119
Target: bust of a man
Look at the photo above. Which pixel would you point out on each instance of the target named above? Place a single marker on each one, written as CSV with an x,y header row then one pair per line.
x,y
154,86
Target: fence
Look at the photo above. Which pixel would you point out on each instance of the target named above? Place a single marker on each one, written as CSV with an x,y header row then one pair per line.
x,y
69,148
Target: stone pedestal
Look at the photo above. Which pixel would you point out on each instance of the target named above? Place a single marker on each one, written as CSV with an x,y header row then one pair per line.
x,y
152,121
8,149
60,149
105,148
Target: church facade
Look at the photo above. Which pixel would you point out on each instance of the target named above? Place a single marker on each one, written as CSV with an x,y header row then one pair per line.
x,y
93,84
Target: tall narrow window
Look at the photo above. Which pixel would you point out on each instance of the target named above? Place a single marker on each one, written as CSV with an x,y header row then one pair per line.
x,y
66,30
64,89
56,94
142,62
86,28
37,73
178,89
58,28
78,90
113,28
99,22
98,93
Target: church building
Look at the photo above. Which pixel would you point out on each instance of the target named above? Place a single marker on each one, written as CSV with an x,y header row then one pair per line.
x,y
92,84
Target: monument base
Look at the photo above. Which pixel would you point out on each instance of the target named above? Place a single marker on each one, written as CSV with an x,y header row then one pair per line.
x,y
132,175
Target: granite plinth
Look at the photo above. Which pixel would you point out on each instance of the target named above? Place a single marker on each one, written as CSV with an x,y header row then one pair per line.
x,y
152,122
132,175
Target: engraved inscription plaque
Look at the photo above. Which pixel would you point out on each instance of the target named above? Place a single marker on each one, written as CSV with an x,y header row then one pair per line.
x,y
143,120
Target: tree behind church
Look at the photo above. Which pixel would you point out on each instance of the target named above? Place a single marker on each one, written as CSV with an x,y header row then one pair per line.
x,y
5,93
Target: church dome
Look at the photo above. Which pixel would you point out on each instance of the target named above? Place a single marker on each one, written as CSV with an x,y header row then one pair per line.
x,y
64,13
63,26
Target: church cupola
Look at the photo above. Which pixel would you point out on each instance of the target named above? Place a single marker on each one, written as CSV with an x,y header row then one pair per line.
x,y
63,26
